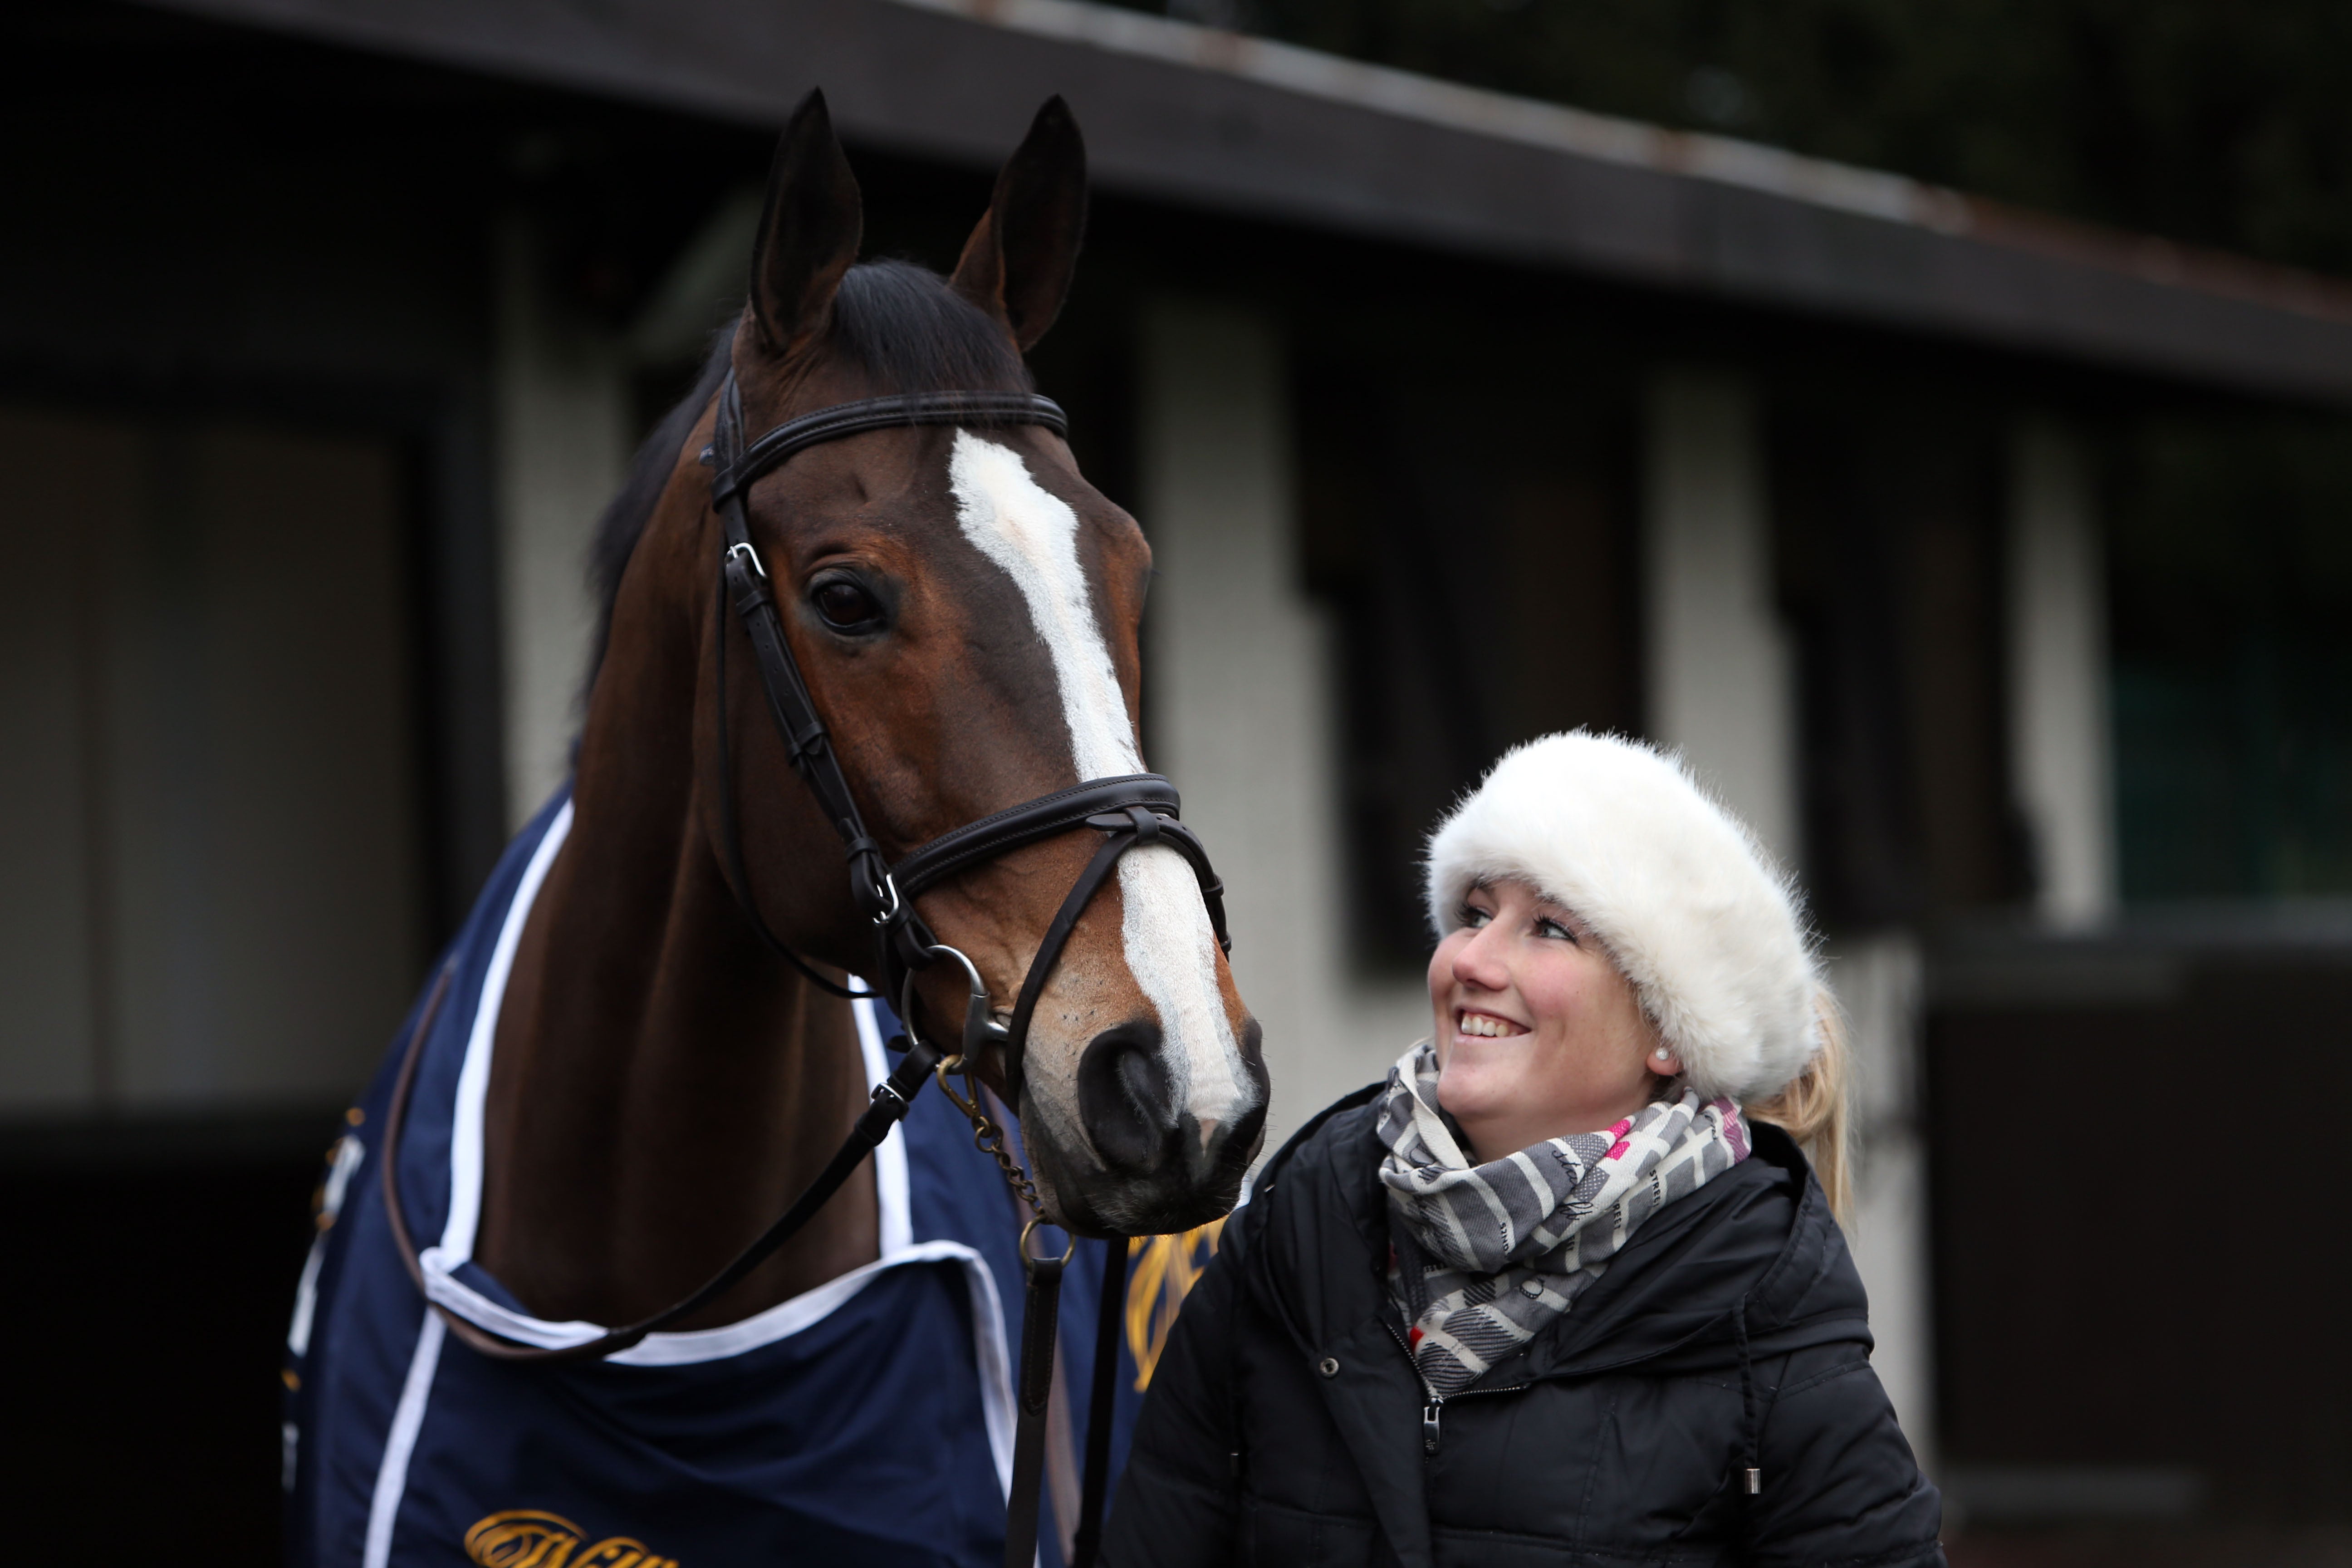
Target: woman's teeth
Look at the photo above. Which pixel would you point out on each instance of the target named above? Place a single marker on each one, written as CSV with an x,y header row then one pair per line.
x,y
1491,1028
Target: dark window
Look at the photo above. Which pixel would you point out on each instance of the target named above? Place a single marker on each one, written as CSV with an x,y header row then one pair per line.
x,y
1886,516
210,823
2230,558
1472,536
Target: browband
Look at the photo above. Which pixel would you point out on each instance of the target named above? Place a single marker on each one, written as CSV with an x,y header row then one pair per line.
x,y
881,414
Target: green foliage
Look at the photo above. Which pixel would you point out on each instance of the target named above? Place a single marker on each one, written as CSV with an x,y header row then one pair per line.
x,y
2219,123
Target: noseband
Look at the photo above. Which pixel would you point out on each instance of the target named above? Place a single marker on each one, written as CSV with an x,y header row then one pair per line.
x,y
1131,811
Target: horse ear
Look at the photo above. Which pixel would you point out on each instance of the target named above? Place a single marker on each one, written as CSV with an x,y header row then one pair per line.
x,y
809,233
1017,264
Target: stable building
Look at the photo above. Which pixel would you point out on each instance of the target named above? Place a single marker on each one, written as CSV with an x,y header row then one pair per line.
x,y
1998,571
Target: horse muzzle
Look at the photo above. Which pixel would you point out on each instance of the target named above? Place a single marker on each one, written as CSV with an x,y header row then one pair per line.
x,y
1159,1166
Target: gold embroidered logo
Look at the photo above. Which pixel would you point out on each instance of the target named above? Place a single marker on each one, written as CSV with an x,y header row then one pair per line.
x,y
526,1537
1164,1269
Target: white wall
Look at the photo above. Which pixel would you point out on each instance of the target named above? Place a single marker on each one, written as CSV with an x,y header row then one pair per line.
x,y
564,445
2059,745
1719,665
1721,681
1879,982
1242,703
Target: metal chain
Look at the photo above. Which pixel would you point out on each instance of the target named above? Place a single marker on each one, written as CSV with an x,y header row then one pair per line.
x,y
987,1136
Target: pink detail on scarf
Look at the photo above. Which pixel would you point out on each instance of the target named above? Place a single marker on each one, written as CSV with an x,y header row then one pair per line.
x,y
1735,1127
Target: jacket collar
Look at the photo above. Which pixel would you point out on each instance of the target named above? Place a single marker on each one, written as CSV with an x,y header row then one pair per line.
x,y
1761,1233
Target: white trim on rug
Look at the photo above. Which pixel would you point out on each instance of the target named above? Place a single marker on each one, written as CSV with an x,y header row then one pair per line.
x,y
400,1442
474,1080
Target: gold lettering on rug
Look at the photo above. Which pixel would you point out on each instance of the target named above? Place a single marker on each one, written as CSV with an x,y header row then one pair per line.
x,y
529,1538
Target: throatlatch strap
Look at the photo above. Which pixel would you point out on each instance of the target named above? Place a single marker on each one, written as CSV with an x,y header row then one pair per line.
x,y
738,875
1040,1316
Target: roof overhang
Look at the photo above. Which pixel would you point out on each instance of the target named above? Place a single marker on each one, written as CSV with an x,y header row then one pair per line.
x,y
1196,116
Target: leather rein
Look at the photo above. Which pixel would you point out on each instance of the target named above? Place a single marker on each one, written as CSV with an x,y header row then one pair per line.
x,y
1130,812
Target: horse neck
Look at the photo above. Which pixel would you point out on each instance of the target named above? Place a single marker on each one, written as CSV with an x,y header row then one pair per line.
x,y
662,1086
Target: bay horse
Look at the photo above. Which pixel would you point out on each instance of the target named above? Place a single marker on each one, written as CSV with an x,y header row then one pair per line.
x,y
615,1081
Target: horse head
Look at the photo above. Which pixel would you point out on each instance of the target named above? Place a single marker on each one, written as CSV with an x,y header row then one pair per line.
x,y
964,608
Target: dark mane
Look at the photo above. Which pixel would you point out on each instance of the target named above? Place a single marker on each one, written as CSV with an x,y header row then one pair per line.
x,y
897,322
632,506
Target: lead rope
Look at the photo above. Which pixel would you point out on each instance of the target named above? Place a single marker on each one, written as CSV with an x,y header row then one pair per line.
x,y
1040,1323
1040,1318
1111,1310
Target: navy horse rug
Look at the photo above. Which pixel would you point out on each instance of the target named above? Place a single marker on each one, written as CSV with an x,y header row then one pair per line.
x,y
867,1421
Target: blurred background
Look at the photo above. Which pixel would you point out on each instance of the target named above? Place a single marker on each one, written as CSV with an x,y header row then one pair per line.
x,y
1930,419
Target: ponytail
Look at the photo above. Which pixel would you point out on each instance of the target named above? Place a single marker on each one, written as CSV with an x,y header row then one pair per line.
x,y
1812,1108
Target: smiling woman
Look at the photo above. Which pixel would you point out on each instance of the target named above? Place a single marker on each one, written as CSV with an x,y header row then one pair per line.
x,y
1538,1033
1585,1201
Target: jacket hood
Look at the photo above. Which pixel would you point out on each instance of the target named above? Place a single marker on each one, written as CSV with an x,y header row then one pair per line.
x,y
1753,1254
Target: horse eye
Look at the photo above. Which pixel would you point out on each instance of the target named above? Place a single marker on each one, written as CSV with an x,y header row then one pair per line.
x,y
846,605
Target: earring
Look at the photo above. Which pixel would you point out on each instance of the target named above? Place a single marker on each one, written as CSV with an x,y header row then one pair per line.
x,y
1663,1054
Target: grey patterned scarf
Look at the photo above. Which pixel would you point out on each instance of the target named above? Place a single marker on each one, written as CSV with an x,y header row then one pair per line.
x,y
1486,1256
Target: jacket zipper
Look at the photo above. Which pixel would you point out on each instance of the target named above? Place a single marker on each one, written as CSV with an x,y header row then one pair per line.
x,y
1432,1409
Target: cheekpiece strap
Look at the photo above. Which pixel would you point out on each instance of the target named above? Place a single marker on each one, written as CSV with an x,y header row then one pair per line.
x,y
905,943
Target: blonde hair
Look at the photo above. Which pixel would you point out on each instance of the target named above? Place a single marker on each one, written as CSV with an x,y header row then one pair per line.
x,y
1812,1108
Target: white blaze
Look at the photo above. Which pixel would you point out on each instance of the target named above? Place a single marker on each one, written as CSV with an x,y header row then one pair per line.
x,y
1033,535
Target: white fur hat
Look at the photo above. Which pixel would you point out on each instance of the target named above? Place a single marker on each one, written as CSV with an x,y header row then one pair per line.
x,y
1691,907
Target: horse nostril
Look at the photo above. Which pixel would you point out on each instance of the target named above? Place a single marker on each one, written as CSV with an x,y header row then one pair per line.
x,y
1123,1096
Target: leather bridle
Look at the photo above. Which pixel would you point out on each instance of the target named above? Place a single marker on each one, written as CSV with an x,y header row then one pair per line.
x,y
1131,812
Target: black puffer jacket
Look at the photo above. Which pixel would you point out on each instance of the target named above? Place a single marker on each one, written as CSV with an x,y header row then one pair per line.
x,y
1286,1424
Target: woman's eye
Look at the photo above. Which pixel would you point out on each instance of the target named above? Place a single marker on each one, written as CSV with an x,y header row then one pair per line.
x,y
1554,930
846,605
1474,917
